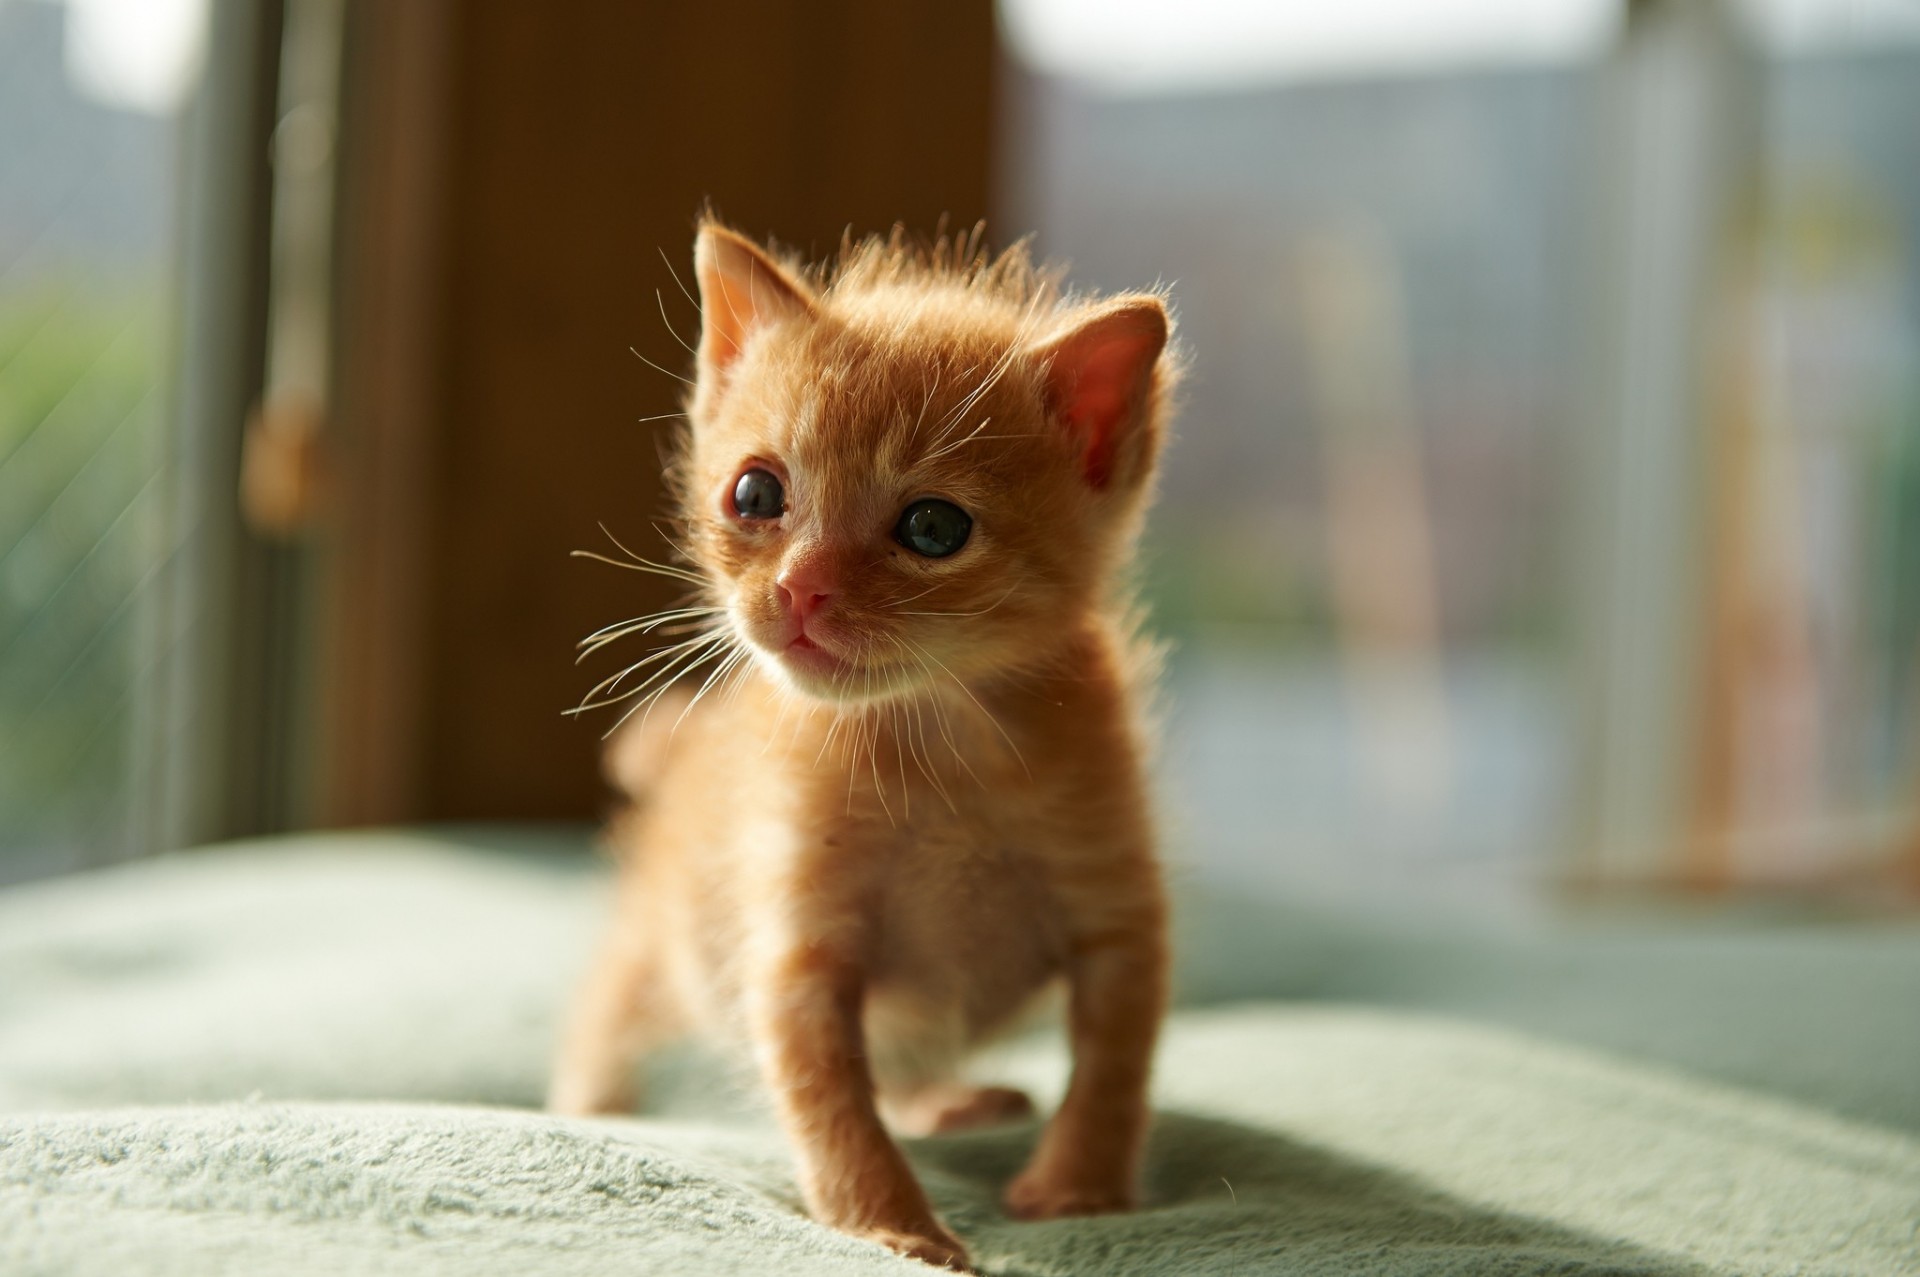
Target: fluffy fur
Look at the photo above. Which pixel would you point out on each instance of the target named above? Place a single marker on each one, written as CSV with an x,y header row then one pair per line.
x,y
908,796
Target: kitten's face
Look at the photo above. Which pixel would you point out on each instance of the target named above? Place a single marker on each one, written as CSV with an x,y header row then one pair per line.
x,y
883,492
862,537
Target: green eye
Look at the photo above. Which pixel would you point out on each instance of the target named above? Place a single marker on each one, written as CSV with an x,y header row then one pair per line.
x,y
933,527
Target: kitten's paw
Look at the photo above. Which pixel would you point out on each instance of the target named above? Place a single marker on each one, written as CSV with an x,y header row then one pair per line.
x,y
934,1246
982,1106
588,1097
947,1109
1040,1194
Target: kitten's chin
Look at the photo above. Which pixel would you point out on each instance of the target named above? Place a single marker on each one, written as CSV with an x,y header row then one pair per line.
x,y
821,675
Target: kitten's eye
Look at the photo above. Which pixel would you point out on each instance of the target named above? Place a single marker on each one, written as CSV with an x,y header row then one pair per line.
x,y
758,495
933,527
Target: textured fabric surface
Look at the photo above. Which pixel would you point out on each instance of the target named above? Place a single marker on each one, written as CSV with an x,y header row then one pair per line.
x,y
320,1056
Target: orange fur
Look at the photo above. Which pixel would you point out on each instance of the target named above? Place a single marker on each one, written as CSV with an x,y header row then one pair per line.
x,y
859,861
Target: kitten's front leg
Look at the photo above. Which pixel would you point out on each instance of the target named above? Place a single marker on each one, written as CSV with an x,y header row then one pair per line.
x,y
805,1009
1088,1159
619,1014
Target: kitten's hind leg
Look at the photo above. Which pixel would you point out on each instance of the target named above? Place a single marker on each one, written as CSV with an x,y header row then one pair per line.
x,y
621,1013
946,1107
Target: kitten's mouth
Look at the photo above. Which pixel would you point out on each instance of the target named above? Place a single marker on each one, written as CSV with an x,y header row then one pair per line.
x,y
809,657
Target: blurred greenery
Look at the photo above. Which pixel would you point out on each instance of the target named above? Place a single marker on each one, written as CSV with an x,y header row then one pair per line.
x,y
1893,503
81,367
1220,581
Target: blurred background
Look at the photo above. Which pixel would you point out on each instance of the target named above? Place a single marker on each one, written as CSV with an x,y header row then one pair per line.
x,y
1544,520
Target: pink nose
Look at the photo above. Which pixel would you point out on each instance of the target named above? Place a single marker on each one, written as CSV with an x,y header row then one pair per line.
x,y
805,589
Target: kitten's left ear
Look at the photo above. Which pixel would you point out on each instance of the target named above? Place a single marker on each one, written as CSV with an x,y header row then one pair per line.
x,y
1100,384
742,289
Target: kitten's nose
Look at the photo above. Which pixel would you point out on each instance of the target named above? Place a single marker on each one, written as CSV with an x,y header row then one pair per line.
x,y
804,588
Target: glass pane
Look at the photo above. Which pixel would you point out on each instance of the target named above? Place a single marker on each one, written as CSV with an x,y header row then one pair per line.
x,y
90,99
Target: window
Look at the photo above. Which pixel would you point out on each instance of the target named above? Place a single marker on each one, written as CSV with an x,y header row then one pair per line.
x,y
1545,494
90,104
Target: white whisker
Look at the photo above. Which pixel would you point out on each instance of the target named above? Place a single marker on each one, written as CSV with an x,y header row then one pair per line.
x,y
718,672
977,705
911,597
641,563
960,442
669,323
654,569
676,279
657,368
932,390
981,612
671,655
638,625
649,701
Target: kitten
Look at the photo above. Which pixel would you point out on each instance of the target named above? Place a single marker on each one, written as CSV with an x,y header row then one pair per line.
x,y
910,796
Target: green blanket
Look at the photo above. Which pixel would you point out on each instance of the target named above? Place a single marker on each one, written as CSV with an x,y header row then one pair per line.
x,y
320,1056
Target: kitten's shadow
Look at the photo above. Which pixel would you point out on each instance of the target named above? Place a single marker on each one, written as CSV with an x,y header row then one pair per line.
x,y
1227,1198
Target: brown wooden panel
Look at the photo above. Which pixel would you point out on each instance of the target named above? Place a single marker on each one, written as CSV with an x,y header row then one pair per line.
x,y
584,139
390,223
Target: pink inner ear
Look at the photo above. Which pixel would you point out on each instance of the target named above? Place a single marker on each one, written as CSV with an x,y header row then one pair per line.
x,y
1098,377
731,306
740,289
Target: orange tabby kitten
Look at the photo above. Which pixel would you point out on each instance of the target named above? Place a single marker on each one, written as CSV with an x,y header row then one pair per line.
x,y
911,798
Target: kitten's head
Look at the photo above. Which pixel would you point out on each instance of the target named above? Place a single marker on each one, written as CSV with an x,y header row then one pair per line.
x,y
919,467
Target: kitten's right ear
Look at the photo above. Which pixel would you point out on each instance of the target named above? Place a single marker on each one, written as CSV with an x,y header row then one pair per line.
x,y
741,289
1101,376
